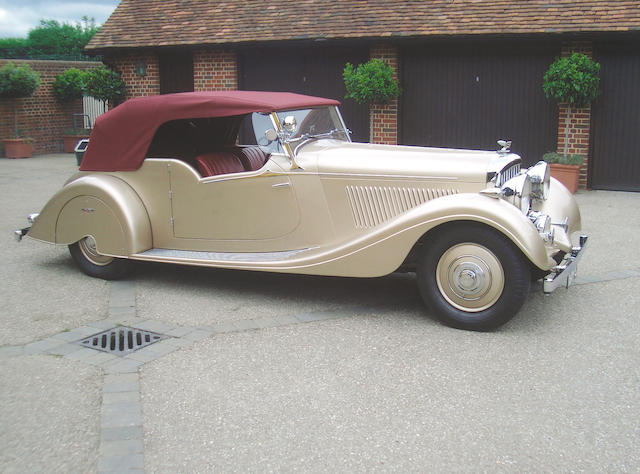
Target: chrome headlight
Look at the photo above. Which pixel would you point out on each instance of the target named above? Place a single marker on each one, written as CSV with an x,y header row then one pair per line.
x,y
540,177
518,192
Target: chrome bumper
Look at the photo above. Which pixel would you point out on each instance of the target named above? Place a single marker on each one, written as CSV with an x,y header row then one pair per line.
x,y
565,273
18,234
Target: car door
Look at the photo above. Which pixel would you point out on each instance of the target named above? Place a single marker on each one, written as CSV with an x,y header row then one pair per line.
x,y
248,206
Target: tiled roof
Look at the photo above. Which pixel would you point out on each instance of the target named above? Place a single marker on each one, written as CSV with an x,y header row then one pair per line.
x,y
144,23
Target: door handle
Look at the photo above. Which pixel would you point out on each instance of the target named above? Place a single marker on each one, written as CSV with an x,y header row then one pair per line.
x,y
281,185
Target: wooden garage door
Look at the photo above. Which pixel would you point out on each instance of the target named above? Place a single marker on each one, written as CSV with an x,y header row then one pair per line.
x,y
313,70
468,95
616,119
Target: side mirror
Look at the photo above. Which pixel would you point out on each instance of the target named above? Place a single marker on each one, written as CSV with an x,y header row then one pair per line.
x,y
290,124
271,135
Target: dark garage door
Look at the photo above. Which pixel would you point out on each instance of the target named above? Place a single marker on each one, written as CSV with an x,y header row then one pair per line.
x,y
469,96
313,70
616,119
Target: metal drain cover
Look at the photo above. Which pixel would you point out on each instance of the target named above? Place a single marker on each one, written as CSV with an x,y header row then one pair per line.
x,y
121,340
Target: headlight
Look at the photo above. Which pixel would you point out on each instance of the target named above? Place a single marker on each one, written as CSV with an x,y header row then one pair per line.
x,y
540,178
518,192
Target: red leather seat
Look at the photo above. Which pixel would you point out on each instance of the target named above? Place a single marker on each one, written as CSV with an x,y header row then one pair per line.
x,y
252,157
219,162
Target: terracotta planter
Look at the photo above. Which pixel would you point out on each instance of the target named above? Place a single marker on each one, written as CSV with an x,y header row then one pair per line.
x,y
17,148
69,142
566,174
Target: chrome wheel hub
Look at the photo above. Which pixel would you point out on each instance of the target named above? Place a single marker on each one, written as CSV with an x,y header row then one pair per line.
x,y
470,277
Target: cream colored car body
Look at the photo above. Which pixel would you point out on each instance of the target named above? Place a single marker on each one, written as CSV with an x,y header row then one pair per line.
x,y
336,208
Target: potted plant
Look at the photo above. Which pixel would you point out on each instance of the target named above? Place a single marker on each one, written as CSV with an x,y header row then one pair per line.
x,y
370,83
565,168
573,81
17,82
68,87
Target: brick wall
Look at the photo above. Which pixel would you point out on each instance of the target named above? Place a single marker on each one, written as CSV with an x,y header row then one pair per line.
x,y
40,116
384,118
215,70
138,85
579,121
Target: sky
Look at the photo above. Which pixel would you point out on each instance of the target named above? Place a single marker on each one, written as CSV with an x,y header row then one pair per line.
x,y
17,17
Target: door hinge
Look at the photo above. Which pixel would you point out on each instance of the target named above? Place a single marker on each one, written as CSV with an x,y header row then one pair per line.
x,y
170,195
172,222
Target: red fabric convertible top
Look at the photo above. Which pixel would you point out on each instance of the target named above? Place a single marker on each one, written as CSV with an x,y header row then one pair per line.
x,y
121,137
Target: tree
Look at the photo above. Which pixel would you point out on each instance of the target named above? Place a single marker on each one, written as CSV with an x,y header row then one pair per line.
x,y
105,84
69,85
51,40
15,83
371,82
573,81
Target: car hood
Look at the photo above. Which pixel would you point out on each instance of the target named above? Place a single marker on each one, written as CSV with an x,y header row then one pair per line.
x,y
336,157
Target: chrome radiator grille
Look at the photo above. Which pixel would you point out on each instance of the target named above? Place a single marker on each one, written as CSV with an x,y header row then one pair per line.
x,y
508,173
373,205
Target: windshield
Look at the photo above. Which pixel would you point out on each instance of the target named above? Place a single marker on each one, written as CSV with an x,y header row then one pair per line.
x,y
322,122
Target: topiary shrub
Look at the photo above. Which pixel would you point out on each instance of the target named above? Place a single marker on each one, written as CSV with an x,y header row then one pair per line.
x,y
17,82
69,85
573,81
105,84
371,82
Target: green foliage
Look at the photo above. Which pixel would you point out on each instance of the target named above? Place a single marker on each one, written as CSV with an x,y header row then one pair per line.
x,y
554,157
18,81
13,48
573,80
105,84
51,40
69,85
371,82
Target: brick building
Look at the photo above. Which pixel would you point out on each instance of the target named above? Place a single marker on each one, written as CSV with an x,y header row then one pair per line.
x,y
470,70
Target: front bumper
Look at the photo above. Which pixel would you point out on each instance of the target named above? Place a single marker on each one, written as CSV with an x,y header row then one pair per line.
x,y
564,273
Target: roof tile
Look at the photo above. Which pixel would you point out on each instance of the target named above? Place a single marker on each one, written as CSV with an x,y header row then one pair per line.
x,y
147,23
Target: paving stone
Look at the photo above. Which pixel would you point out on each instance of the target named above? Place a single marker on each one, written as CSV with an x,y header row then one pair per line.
x,y
155,326
121,433
121,463
62,350
285,320
100,358
245,325
166,346
109,398
11,351
81,354
102,325
119,409
121,387
197,335
179,331
118,420
122,366
143,357
121,378
224,327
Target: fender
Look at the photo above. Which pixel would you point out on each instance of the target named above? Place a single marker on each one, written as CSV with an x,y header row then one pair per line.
x,y
384,250
104,207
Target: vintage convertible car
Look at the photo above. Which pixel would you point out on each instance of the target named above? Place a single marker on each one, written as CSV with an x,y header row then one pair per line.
x,y
272,182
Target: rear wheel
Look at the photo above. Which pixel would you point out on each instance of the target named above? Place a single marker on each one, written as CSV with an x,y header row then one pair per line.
x,y
86,256
472,277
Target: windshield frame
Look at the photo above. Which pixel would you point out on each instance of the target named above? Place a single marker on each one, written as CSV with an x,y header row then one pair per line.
x,y
293,145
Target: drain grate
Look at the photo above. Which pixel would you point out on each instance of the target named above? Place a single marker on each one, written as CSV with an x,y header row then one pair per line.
x,y
121,340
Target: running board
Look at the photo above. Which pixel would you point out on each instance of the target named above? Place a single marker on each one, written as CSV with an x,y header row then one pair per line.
x,y
190,255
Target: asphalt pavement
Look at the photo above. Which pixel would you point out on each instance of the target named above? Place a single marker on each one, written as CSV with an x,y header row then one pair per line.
x,y
279,373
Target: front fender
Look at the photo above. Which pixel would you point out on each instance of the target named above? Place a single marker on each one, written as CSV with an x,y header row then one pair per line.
x,y
102,206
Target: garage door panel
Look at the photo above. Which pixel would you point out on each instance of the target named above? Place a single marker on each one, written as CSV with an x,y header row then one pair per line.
x,y
468,98
616,119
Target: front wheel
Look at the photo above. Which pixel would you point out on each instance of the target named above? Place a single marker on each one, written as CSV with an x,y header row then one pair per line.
x,y
473,277
86,256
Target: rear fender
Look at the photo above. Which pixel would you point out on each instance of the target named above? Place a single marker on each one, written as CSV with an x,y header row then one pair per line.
x,y
104,207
